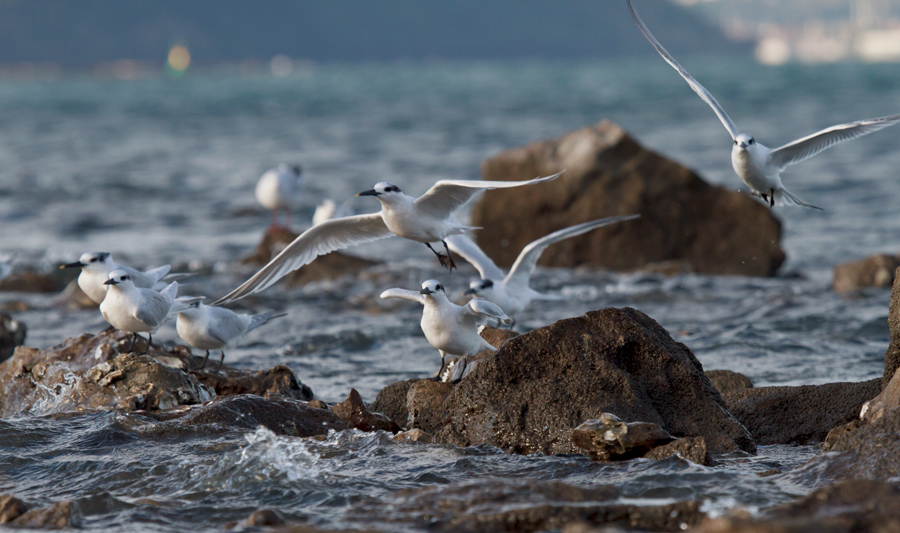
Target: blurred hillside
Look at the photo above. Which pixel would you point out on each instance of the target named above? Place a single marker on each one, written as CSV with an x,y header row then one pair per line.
x,y
77,34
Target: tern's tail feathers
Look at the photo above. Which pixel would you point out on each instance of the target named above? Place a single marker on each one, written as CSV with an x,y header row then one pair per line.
x,y
261,319
784,197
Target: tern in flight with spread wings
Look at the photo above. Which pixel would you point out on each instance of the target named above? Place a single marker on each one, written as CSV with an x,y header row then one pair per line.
x,y
758,166
511,291
451,328
426,219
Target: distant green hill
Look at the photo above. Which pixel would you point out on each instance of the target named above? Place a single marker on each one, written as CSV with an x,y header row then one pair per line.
x,y
75,33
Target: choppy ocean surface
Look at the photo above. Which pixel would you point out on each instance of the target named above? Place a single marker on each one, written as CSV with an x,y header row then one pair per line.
x,y
163,170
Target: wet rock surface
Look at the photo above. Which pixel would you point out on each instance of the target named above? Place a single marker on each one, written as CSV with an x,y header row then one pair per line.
x,y
855,505
94,372
329,266
870,451
391,402
37,281
727,381
799,415
10,508
684,220
355,413
609,438
57,516
874,271
694,449
528,505
886,401
892,355
12,334
541,385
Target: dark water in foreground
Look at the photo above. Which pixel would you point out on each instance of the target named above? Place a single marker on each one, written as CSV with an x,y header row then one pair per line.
x,y
161,171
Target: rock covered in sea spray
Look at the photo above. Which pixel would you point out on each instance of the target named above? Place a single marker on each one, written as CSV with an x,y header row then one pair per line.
x,y
608,438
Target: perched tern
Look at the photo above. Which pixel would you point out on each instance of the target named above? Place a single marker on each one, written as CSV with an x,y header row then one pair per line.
x,y
215,328
511,291
758,166
329,209
426,219
130,308
96,267
451,328
277,189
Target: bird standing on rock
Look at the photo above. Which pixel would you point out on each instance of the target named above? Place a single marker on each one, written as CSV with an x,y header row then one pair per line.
x,y
214,328
277,189
97,266
451,328
511,291
758,166
133,309
426,219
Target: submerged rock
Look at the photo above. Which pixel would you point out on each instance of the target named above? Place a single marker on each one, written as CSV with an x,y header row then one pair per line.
x,y
694,449
799,415
57,516
855,505
10,508
727,381
874,271
12,334
488,505
329,266
541,385
608,438
892,355
684,220
355,413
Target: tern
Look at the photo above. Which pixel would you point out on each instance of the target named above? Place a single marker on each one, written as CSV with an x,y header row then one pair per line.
x,y
215,328
758,166
451,328
277,189
426,219
511,291
133,309
96,267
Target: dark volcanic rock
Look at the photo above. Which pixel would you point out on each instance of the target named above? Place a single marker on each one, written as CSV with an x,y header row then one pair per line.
x,y
855,505
33,281
488,505
684,220
12,334
276,380
870,451
727,381
608,438
329,266
693,449
391,402
892,355
424,402
283,416
10,508
886,401
354,412
799,415
875,271
541,385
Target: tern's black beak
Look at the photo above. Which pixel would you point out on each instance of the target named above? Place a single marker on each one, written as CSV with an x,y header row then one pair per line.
x,y
469,292
426,291
110,282
76,264
370,192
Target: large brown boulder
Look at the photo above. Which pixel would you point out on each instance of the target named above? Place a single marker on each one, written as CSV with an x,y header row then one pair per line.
x,y
541,385
684,220
874,271
488,505
799,415
892,355
727,381
12,334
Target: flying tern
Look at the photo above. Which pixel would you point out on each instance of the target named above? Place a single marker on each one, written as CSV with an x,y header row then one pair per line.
x,y
758,166
426,219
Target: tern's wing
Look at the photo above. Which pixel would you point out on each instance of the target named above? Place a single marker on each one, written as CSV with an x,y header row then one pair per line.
x,y
701,91
324,238
803,149
483,310
446,196
225,325
153,308
524,266
404,294
464,246
158,273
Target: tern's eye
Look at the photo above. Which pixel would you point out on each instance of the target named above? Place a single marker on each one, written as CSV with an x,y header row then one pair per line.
x,y
439,287
735,141
752,141
94,260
